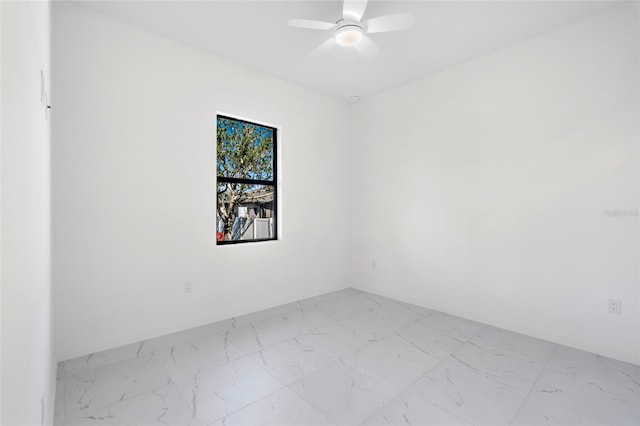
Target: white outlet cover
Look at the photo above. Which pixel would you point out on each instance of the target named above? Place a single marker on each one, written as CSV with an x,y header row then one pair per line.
x,y
615,306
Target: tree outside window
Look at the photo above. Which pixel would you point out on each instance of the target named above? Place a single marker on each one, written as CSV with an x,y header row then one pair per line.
x,y
246,187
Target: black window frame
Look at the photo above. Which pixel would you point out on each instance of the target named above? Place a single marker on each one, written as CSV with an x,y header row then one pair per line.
x,y
273,182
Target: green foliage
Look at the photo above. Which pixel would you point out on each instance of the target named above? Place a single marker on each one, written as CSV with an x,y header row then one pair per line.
x,y
244,150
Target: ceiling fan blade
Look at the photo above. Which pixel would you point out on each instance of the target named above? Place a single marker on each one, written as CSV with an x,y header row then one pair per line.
x,y
367,48
311,24
354,9
387,23
323,48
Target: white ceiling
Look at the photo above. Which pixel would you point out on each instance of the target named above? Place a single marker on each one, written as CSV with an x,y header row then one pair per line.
x,y
255,33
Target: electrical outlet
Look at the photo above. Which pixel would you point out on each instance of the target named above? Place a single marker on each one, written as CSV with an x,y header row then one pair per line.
x,y
373,264
188,287
615,306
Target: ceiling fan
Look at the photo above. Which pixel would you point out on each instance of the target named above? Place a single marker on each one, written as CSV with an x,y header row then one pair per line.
x,y
351,31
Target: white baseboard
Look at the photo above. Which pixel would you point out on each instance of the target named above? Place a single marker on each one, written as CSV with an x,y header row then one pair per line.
x,y
630,356
102,343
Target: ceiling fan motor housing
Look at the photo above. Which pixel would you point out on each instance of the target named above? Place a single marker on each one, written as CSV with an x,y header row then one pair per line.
x,y
348,33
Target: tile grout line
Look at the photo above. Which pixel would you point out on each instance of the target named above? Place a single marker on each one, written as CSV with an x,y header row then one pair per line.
x,y
339,322
284,385
248,356
334,322
309,402
171,380
339,359
409,385
424,375
535,382
395,397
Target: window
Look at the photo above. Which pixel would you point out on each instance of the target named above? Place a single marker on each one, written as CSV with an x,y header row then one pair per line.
x,y
246,187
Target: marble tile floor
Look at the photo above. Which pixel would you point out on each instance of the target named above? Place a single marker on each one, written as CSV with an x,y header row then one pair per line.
x,y
346,358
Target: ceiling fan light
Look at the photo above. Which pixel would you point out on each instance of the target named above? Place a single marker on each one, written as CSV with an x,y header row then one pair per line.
x,y
349,35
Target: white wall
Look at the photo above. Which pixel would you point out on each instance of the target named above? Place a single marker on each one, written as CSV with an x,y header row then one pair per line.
x,y
134,195
1,211
483,190
27,366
